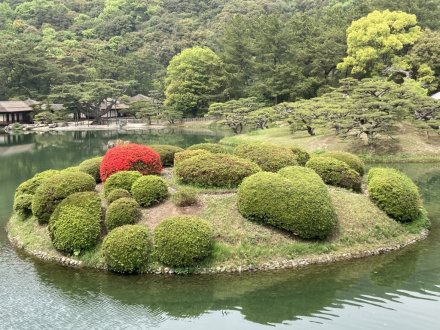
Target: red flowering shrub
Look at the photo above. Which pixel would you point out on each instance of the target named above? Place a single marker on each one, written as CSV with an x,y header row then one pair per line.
x,y
130,157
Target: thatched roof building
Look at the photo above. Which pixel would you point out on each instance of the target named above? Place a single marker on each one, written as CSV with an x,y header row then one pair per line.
x,y
16,111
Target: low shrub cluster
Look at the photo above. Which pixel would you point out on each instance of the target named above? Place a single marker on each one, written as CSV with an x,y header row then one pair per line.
x,y
336,173
183,241
75,224
214,170
149,190
186,154
30,186
23,204
117,193
127,249
353,161
394,193
302,156
130,157
269,157
166,153
121,180
91,167
296,200
215,148
53,190
185,196
123,211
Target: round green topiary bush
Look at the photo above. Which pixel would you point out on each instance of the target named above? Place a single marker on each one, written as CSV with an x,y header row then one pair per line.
x,y
117,193
183,241
124,211
149,190
336,172
91,166
186,154
353,161
269,157
296,200
166,153
214,170
302,156
23,204
75,224
30,186
394,193
121,180
53,190
127,249
215,148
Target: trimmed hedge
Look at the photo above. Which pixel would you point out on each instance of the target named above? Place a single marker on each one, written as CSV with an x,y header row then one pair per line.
x,y
117,193
53,190
23,204
127,249
186,154
296,200
353,161
394,193
336,173
166,153
149,190
214,170
75,224
91,166
185,196
269,157
124,211
302,156
215,148
30,186
121,180
182,241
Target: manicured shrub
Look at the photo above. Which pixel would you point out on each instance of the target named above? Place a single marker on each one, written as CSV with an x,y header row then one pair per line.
x,y
127,249
336,172
149,190
117,193
130,157
121,180
166,153
124,211
23,204
297,200
70,169
31,185
215,148
91,166
353,161
186,154
185,196
214,170
394,193
53,190
75,224
183,241
302,156
269,157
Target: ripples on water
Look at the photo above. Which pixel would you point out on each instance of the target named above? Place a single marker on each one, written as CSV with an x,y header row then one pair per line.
x,y
400,290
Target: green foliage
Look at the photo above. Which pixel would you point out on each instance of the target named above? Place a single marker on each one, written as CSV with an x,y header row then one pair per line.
x,y
127,249
121,180
183,241
149,190
215,148
123,211
394,193
353,161
214,170
336,172
30,186
23,204
269,157
295,200
166,153
186,154
302,156
53,190
45,117
117,193
91,167
185,196
75,224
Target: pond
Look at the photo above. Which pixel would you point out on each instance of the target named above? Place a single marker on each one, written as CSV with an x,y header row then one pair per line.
x,y
400,290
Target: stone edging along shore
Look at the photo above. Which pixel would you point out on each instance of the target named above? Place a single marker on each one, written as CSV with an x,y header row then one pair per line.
x,y
267,266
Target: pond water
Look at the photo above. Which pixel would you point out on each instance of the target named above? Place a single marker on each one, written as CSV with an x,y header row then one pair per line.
x,y
400,290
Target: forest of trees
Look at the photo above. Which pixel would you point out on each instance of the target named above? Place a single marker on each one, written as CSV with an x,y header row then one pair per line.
x,y
253,55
